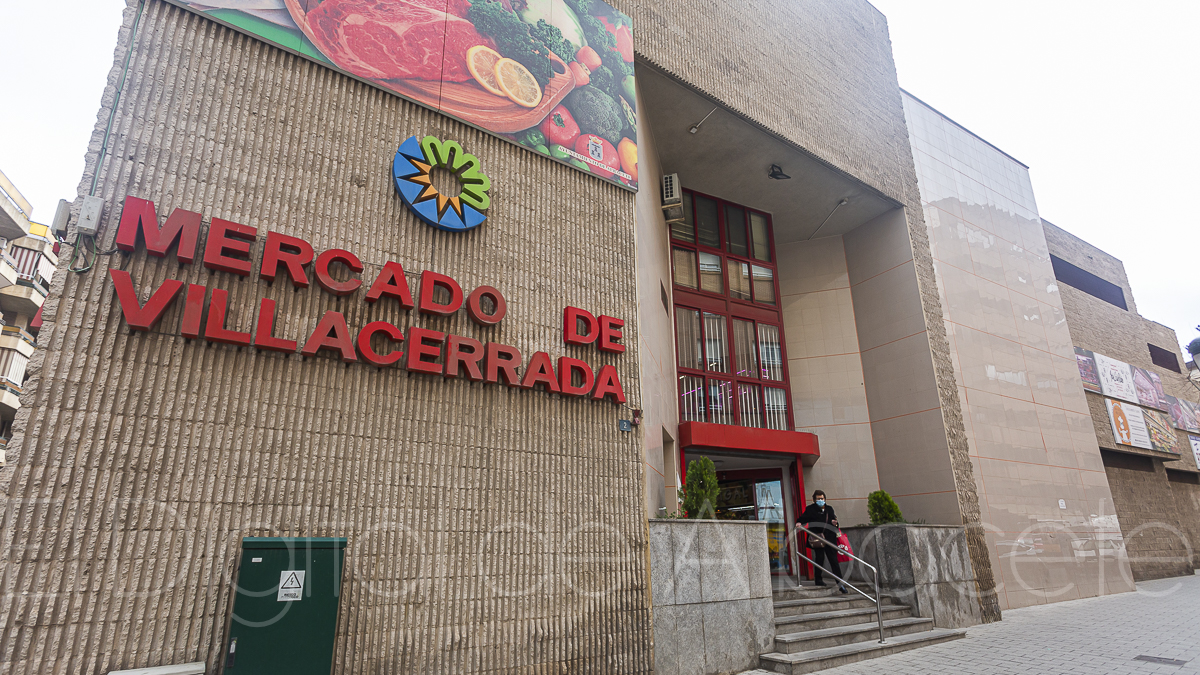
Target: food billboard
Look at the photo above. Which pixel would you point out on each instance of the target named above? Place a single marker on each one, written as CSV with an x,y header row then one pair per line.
x,y
555,76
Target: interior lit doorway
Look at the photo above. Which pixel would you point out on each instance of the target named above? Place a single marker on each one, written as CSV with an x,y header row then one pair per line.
x,y
765,487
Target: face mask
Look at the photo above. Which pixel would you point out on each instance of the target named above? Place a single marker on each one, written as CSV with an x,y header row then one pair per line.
x,y
820,502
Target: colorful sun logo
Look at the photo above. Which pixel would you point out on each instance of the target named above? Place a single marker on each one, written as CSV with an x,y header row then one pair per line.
x,y
414,160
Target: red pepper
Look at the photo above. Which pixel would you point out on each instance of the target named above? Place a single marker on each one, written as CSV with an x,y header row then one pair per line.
x,y
602,152
560,127
624,38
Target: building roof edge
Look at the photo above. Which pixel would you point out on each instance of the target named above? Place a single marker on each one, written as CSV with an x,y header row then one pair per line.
x,y
948,119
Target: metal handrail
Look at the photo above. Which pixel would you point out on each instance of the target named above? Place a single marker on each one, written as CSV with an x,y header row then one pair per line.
x,y
836,548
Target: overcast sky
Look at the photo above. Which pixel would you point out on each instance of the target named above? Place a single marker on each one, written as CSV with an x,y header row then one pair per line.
x,y
1100,99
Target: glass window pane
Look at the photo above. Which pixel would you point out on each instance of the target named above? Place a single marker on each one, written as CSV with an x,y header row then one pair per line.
x,y
720,396
716,343
776,400
750,405
735,230
743,348
710,273
771,352
706,222
739,280
687,338
764,285
691,398
685,231
758,234
684,261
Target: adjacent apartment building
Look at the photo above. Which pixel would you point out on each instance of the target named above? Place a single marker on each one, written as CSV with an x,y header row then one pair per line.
x,y
28,258
1149,433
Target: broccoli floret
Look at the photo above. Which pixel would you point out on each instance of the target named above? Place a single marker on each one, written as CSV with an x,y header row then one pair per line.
x,y
603,79
581,7
616,63
596,113
552,37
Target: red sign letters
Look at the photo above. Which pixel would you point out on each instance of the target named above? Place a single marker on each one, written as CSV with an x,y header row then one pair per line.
x,y
228,249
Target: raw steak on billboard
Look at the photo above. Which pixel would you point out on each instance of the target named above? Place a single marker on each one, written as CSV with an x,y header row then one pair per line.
x,y
397,39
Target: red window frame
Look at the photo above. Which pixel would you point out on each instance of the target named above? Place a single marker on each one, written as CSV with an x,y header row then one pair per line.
x,y
730,308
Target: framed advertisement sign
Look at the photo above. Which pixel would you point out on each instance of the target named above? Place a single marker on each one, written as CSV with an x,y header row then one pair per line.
x,y
1162,434
1185,415
1195,443
1149,388
1116,378
1128,424
1087,370
555,76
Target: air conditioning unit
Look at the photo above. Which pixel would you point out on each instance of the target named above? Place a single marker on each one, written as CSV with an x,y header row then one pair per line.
x,y
672,198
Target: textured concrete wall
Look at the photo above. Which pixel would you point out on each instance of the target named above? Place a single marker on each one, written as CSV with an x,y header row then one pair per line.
x,y
927,567
1154,541
490,529
712,596
832,58
1141,497
1187,504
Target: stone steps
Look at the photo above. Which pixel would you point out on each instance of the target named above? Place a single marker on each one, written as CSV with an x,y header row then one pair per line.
x,y
792,643
831,657
818,628
836,618
794,607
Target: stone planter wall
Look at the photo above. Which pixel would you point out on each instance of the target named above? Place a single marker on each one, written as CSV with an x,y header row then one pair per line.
x,y
925,566
711,589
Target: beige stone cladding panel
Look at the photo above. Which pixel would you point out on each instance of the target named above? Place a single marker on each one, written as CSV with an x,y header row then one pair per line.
x,y
818,73
656,348
490,530
828,395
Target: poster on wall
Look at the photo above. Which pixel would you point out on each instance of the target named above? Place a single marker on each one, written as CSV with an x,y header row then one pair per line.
x,y
555,76
1185,415
1195,443
1087,370
1128,424
1162,435
1116,378
1149,388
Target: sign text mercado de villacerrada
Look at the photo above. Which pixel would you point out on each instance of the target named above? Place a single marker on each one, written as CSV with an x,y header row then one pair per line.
x,y
228,247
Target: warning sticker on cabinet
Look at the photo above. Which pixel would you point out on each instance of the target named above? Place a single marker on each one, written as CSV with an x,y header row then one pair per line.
x,y
291,585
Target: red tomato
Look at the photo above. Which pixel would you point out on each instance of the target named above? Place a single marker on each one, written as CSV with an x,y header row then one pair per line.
x,y
624,38
588,57
560,127
594,147
581,73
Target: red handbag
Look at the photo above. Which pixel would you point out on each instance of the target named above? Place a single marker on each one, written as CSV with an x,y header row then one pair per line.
x,y
843,543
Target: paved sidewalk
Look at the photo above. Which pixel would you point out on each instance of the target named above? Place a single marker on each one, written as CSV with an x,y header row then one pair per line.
x,y
1096,636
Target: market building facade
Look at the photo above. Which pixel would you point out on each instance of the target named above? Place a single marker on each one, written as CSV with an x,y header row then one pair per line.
x,y
467,321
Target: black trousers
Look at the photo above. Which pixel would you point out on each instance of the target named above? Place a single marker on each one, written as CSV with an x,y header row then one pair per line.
x,y
826,557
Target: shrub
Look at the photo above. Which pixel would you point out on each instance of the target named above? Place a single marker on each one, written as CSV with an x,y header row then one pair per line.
x,y
883,509
700,490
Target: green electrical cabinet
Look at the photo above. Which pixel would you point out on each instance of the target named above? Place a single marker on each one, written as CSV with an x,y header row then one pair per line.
x,y
285,606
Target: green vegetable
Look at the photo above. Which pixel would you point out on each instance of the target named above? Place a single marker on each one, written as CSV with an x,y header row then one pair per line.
x,y
543,149
532,137
603,79
596,113
580,164
552,37
629,90
581,7
557,14
515,39
559,152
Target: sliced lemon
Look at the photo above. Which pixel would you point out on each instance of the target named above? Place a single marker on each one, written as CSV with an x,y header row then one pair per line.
x,y
481,61
518,83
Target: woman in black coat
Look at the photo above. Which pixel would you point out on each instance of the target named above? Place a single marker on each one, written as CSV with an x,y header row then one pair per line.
x,y
822,520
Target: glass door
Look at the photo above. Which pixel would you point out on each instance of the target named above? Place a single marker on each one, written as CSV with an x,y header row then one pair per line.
x,y
768,501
